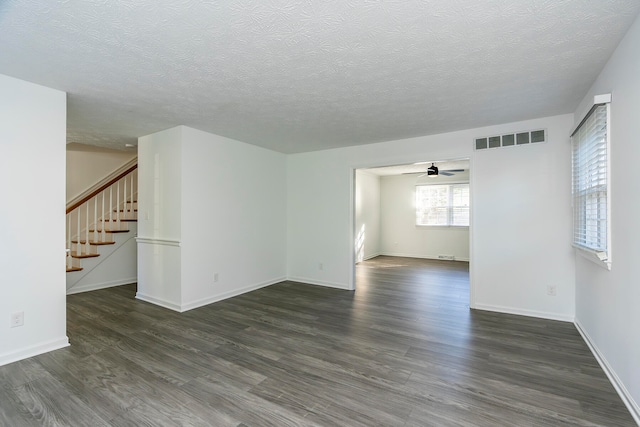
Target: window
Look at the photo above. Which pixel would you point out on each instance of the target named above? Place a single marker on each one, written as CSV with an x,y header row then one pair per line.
x,y
442,205
589,151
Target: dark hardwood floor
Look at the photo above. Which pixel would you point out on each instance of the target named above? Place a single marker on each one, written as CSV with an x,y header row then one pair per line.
x,y
403,350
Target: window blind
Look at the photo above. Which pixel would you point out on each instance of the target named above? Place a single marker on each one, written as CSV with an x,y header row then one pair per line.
x,y
589,145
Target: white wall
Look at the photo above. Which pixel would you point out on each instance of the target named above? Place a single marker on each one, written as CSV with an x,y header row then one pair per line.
x,y
607,301
367,211
233,217
32,239
217,206
401,236
88,164
521,217
159,218
521,225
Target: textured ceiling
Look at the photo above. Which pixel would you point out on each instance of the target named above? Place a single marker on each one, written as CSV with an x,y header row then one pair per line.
x,y
419,168
303,75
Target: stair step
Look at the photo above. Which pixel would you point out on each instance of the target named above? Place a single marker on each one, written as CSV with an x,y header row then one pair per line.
x,y
94,242
110,231
121,220
70,269
127,210
83,255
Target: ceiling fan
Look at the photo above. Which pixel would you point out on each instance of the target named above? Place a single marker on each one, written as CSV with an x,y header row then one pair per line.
x,y
433,171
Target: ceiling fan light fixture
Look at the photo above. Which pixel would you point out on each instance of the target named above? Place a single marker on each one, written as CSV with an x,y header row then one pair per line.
x,y
432,171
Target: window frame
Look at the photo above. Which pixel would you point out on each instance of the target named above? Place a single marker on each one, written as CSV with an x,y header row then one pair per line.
x,y
449,207
596,255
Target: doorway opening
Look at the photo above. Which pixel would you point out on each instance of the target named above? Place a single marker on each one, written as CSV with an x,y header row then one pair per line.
x,y
406,213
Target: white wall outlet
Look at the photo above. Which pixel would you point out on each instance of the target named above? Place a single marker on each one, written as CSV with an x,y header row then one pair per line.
x,y
551,290
320,266
215,277
17,319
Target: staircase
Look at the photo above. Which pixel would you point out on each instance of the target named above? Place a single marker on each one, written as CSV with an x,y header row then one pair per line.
x,y
99,214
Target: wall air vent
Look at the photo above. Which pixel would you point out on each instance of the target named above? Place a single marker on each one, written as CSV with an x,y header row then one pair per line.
x,y
511,139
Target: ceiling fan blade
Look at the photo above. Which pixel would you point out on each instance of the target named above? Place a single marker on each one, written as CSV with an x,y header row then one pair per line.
x,y
450,172
424,174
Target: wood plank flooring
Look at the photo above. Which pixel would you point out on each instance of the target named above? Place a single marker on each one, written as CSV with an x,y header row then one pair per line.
x,y
403,350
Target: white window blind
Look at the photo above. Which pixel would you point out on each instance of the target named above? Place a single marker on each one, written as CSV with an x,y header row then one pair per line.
x,y
442,205
589,145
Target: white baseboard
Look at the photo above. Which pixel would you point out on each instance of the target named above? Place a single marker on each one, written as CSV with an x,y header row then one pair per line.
x,y
524,312
103,285
181,308
34,350
158,301
622,391
368,257
409,255
319,283
229,294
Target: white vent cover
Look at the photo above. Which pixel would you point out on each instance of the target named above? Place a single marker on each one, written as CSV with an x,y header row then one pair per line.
x,y
511,139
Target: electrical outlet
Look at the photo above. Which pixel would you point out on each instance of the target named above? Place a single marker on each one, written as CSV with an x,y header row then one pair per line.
x,y
215,277
17,319
551,290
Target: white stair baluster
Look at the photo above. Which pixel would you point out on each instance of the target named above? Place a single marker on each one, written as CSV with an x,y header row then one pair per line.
x,y
103,238
95,218
132,175
118,204
69,264
86,226
125,197
78,245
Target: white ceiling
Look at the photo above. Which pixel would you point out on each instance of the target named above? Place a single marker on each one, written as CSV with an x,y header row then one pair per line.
x,y
304,75
419,168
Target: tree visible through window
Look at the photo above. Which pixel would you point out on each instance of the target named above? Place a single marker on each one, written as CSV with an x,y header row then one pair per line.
x,y
442,205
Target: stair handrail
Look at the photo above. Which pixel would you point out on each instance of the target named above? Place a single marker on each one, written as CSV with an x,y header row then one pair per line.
x,y
103,184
